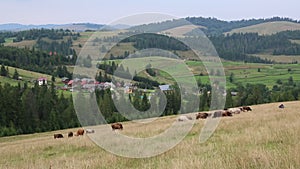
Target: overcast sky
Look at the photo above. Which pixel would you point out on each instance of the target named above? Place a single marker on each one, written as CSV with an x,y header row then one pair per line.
x,y
106,11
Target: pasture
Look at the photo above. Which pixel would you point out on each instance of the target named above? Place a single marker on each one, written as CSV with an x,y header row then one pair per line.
x,y
267,28
267,137
243,73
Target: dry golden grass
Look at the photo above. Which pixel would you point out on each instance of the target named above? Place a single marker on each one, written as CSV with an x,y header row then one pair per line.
x,y
280,58
22,44
180,31
267,137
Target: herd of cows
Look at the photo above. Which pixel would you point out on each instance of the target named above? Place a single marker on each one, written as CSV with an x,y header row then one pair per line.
x,y
201,115
80,132
119,126
224,113
219,113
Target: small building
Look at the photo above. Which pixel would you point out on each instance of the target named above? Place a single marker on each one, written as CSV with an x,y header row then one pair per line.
x,y
234,93
164,87
128,90
65,80
42,81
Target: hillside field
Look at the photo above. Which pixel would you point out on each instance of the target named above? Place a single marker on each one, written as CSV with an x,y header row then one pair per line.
x,y
267,137
267,28
244,73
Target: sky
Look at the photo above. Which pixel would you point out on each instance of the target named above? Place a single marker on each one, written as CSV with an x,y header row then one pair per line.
x,y
108,11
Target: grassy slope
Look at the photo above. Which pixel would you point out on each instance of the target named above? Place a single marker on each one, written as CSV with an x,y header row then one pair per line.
x,y
243,73
268,28
267,137
280,58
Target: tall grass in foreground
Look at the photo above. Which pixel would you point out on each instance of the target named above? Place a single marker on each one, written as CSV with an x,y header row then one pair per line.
x,y
267,137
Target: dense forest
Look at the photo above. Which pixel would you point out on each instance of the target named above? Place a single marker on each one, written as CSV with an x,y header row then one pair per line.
x,y
34,60
237,47
27,110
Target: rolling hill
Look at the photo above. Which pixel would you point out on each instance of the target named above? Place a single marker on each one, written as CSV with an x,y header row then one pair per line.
x,y
267,28
267,137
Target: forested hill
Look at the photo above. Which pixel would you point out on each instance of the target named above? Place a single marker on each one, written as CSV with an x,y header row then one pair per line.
x,y
215,26
210,26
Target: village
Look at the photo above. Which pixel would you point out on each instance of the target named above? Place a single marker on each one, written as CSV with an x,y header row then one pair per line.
x,y
90,85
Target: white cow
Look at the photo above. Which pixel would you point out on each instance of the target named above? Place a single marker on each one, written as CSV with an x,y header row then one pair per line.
x,y
234,110
183,118
90,131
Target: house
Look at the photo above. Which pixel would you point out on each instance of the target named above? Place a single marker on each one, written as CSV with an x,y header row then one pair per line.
x,y
127,90
164,87
70,83
65,80
42,81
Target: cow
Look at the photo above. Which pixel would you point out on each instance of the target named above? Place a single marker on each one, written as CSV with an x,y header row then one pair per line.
x,y
281,106
226,113
189,117
80,132
89,131
217,114
202,115
221,113
183,118
234,110
58,136
70,134
246,108
117,126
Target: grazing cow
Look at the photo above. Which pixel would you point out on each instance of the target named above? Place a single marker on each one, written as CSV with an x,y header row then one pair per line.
x,y
201,115
281,106
190,118
117,126
89,131
182,118
80,132
246,108
217,114
58,136
234,110
70,134
226,113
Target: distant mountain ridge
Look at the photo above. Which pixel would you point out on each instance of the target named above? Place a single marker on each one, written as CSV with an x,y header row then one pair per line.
x,y
210,26
79,27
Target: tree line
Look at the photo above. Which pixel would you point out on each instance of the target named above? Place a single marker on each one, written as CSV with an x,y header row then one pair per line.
x,y
234,47
238,46
27,110
30,59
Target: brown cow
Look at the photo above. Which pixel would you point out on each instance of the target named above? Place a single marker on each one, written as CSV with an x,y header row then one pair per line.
x,y
117,126
70,134
217,114
221,113
226,113
58,136
201,115
80,132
